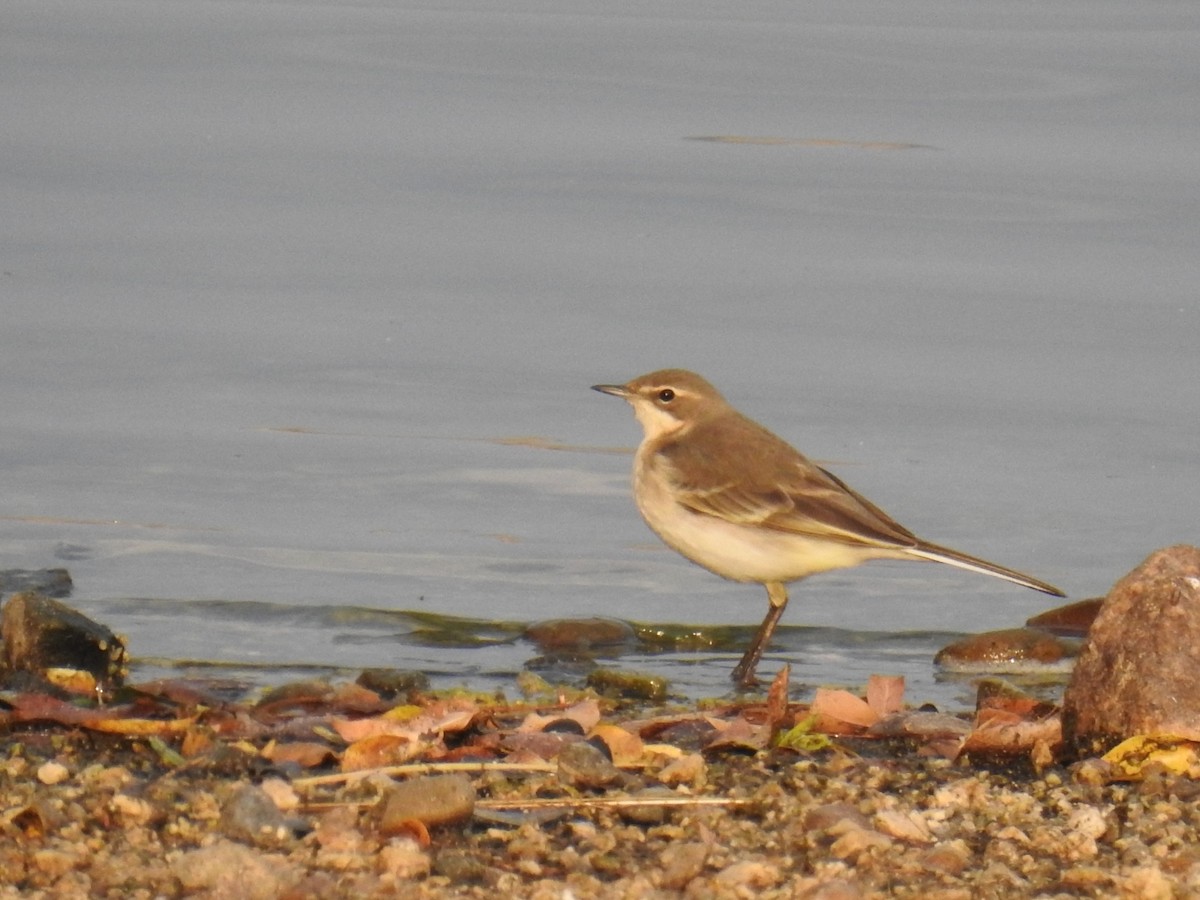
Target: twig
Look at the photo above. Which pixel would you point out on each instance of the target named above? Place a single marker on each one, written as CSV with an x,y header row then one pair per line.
x,y
608,802
423,769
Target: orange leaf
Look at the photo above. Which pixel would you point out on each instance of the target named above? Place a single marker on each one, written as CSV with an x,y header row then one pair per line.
x,y
839,710
308,754
381,750
1000,731
885,694
625,746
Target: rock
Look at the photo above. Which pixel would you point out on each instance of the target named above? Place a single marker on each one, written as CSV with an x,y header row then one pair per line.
x,y
651,812
580,635
430,799
908,826
1136,673
391,683
250,816
51,582
403,860
828,815
1071,620
586,766
49,639
749,874
52,773
951,857
681,862
628,685
459,866
1007,650
226,869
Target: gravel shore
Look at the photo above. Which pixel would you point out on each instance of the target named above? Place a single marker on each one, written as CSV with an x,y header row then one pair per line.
x,y
220,811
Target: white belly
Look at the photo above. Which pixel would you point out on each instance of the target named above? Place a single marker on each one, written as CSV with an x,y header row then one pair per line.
x,y
743,552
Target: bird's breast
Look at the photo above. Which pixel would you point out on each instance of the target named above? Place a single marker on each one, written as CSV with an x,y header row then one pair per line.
x,y
740,552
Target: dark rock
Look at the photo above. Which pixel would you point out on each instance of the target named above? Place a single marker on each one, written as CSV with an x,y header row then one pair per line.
x,y
1137,671
1007,650
51,582
48,638
1072,620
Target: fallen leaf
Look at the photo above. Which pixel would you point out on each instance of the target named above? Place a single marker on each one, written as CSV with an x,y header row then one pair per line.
x,y
885,694
307,754
838,711
110,720
802,738
381,750
1178,756
625,746
1003,732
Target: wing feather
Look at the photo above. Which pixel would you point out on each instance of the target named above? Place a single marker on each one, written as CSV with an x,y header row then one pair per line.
x,y
774,487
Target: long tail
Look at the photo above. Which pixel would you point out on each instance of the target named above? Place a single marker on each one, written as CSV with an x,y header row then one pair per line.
x,y
974,564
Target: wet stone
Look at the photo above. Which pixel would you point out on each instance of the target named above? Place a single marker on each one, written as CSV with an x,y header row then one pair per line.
x,y
628,685
1007,650
391,683
586,766
430,799
47,638
580,635
1071,620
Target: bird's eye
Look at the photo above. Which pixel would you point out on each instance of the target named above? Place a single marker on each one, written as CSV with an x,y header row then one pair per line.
x,y
666,395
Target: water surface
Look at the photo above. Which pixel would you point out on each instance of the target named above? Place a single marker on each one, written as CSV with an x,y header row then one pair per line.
x,y
282,282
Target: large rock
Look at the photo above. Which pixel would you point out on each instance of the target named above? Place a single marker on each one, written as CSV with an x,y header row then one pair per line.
x,y
1137,670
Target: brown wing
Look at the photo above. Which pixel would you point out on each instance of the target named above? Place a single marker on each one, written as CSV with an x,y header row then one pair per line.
x,y
772,486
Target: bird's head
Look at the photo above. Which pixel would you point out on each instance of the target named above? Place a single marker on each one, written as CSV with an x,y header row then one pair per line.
x,y
668,400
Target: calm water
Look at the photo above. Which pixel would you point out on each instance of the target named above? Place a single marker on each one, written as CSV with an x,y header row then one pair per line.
x,y
301,302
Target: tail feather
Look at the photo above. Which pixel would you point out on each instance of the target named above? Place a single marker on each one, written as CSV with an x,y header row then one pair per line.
x,y
974,564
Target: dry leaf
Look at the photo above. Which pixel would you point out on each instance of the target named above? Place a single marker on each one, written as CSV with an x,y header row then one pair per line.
x,y
1178,756
381,750
1000,731
885,694
111,720
839,711
308,754
626,748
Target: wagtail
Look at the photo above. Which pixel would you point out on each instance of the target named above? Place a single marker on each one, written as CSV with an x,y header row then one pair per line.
x,y
741,502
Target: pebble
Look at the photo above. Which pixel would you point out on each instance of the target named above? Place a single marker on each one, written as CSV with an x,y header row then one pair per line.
x,y
250,816
52,773
682,862
586,766
429,799
226,869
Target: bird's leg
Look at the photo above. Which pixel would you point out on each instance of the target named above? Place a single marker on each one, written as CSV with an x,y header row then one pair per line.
x,y
743,672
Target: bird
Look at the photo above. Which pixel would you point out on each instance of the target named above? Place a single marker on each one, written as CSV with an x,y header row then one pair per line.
x,y
731,496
